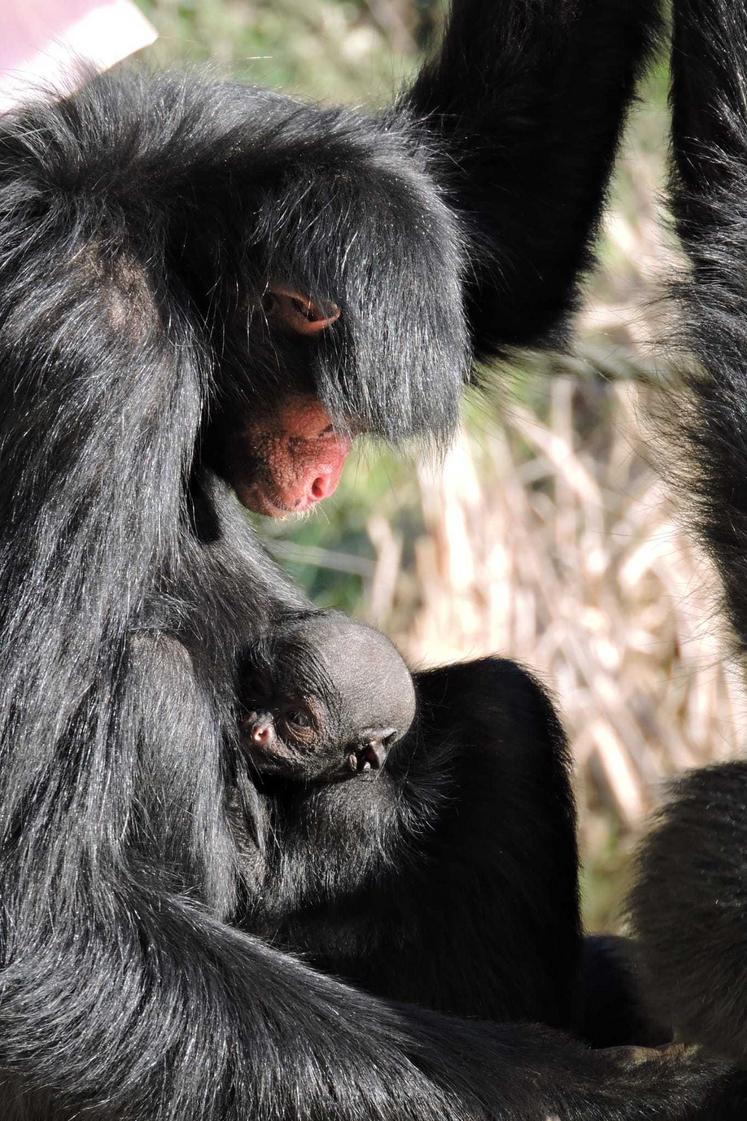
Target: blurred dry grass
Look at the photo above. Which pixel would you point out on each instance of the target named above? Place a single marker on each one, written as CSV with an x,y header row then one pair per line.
x,y
565,552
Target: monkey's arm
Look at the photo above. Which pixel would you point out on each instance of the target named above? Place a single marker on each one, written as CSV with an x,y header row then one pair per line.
x,y
528,98
688,905
709,200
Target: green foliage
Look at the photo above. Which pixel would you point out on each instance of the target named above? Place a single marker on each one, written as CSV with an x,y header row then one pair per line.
x,y
346,50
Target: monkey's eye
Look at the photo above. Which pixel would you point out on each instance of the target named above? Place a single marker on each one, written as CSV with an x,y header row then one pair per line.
x,y
299,717
269,302
299,725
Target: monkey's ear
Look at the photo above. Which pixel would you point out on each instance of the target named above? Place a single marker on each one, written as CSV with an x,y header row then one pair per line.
x,y
297,313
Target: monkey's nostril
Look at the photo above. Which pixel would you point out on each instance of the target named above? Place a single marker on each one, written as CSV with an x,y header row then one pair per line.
x,y
323,486
263,734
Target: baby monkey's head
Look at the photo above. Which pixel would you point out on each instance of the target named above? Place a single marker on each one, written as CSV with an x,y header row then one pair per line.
x,y
324,698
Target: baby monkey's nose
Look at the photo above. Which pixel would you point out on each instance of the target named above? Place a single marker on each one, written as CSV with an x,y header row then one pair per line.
x,y
261,729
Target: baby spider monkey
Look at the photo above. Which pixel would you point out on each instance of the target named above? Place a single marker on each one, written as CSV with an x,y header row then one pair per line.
x,y
388,824
325,698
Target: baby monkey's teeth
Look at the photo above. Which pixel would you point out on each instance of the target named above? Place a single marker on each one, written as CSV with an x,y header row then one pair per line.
x,y
371,756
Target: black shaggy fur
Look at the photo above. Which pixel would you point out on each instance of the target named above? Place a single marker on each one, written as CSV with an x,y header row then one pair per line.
x,y
690,903
448,878
139,221
438,866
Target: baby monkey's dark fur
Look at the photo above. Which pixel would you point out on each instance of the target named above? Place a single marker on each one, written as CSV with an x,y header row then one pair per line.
x,y
380,874
328,701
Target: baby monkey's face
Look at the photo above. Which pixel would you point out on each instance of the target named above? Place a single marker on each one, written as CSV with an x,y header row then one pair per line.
x,y
304,735
324,698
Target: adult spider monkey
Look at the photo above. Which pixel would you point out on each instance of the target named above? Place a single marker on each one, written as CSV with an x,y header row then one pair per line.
x,y
206,292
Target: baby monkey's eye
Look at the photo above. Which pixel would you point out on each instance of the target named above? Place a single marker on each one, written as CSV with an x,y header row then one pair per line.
x,y
300,717
299,722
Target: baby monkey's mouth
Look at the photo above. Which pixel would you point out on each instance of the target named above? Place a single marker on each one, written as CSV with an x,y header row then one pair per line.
x,y
370,755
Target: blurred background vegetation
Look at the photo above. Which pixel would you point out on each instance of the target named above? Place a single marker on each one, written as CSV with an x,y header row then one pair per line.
x,y
548,534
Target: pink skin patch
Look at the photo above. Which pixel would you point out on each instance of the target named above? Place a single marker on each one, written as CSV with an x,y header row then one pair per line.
x,y
296,459
49,46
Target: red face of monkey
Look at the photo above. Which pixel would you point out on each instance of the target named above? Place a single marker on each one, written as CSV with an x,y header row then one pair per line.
x,y
296,459
292,458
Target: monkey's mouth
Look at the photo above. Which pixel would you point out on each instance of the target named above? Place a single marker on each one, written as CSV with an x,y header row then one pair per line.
x,y
371,753
262,500
264,494
289,462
